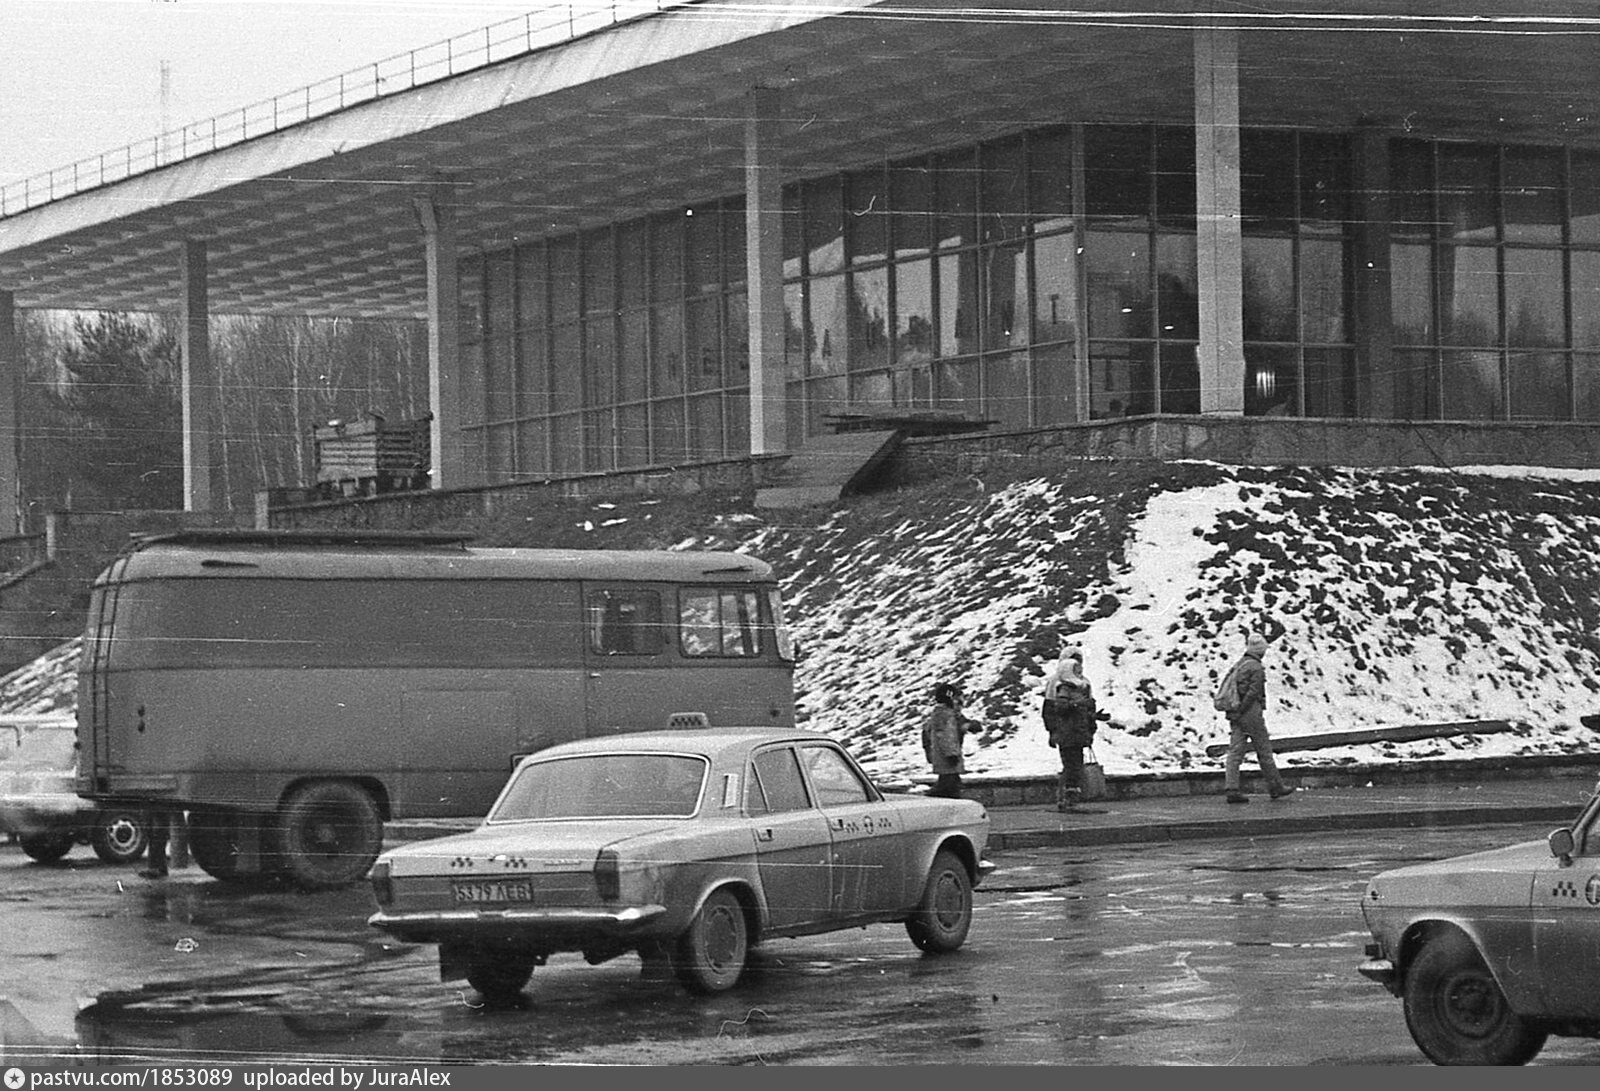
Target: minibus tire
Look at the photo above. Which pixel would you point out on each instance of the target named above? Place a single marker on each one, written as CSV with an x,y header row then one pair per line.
x,y
214,844
328,833
47,848
119,836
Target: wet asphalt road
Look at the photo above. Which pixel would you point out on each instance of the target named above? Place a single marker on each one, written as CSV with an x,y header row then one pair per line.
x,y
1227,952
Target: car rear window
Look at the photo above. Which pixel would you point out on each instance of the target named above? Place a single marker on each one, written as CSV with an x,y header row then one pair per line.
x,y
604,786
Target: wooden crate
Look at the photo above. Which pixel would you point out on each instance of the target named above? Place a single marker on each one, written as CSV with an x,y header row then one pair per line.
x,y
369,456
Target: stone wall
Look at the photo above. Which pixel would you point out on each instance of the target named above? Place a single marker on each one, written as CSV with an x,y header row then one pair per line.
x,y
1252,441
1232,440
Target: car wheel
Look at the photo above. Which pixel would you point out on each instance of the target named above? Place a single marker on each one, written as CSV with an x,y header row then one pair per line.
x,y
943,916
119,837
499,978
328,834
49,847
1457,1013
710,954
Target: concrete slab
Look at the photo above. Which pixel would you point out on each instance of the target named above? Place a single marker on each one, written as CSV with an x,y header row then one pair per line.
x,y
828,467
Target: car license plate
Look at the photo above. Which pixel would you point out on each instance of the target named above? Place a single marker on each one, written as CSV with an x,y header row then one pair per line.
x,y
493,892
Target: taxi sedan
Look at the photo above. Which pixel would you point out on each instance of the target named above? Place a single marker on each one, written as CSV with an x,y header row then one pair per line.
x,y
1493,952
687,847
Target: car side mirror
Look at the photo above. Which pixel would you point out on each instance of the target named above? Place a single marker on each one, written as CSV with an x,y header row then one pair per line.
x,y
1561,845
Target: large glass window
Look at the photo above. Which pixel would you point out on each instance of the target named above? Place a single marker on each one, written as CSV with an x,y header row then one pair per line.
x,y
913,315
1055,287
1050,181
1120,303
957,215
1534,294
911,208
869,319
1006,278
827,327
824,226
1586,299
1117,174
1469,292
1294,198
958,304
1269,303
1533,197
1503,263
867,202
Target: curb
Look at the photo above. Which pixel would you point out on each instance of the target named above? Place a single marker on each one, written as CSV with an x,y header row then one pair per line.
x,y
1034,791
1222,828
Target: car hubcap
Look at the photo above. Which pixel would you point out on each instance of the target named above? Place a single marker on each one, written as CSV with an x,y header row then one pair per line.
x,y
721,937
122,835
1472,1006
948,901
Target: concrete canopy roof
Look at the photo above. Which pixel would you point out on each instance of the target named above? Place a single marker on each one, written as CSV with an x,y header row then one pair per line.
x,y
648,115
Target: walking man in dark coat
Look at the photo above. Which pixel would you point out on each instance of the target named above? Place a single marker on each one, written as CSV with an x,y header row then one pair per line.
x,y
1248,724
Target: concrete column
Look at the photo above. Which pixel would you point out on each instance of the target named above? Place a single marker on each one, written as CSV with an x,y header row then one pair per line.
x,y
450,468
763,222
10,391
1374,302
1219,248
199,379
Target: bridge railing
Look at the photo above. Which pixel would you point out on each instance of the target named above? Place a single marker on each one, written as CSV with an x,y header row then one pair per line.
x,y
539,29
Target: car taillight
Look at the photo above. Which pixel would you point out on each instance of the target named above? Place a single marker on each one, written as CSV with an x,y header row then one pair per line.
x,y
607,876
382,888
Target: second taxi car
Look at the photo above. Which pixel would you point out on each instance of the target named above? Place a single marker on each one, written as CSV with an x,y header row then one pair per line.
x,y
687,847
1493,952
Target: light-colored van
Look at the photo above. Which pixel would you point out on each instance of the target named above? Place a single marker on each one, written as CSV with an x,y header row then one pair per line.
x,y
293,690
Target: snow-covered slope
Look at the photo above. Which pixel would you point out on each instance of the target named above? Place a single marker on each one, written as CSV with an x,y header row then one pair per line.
x,y
1389,598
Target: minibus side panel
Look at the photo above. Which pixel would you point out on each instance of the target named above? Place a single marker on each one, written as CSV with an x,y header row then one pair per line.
x,y
460,745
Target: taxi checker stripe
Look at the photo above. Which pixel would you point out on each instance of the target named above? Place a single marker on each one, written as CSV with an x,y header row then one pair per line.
x,y
1565,888
514,863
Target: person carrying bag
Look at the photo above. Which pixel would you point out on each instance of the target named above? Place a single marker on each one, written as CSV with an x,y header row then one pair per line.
x,y
1070,719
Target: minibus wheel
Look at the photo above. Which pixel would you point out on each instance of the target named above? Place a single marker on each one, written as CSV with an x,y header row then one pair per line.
x,y
47,848
119,836
328,834
219,840
212,848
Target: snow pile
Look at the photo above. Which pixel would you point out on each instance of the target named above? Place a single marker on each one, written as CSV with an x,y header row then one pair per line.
x,y
1389,597
49,684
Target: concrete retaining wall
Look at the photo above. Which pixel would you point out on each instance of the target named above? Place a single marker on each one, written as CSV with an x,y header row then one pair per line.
x,y
1252,441
1240,441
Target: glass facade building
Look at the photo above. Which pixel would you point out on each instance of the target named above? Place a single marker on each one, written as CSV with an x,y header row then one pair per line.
x,y
1049,278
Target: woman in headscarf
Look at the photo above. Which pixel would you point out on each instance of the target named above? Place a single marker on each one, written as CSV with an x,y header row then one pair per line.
x,y
942,730
1069,718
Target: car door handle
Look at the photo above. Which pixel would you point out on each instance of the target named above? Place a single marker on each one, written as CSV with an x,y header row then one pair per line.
x,y
838,823
764,835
